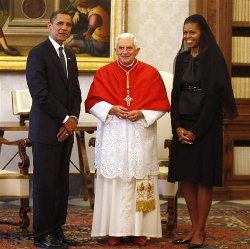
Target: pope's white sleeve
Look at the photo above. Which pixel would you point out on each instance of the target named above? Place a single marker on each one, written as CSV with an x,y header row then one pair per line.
x,y
101,111
152,116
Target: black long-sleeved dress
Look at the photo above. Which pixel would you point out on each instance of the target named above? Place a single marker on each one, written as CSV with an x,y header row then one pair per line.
x,y
199,92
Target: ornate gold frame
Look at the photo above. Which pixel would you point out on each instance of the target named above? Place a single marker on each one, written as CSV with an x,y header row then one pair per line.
x,y
85,64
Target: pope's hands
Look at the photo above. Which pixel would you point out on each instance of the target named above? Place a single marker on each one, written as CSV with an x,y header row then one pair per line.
x,y
123,113
135,115
119,111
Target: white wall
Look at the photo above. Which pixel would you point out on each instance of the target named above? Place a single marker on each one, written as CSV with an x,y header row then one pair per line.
x,y
157,24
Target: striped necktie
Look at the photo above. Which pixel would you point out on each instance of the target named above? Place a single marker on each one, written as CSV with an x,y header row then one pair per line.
x,y
62,59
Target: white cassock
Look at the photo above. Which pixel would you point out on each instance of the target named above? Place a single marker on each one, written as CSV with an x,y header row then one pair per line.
x,y
124,152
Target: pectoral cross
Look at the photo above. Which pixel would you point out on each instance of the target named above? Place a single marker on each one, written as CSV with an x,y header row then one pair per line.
x,y
128,99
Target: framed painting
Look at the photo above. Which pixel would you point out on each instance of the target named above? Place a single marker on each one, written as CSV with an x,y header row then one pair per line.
x,y
96,23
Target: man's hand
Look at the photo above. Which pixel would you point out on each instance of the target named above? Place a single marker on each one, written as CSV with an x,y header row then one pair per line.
x,y
135,115
70,125
119,111
63,134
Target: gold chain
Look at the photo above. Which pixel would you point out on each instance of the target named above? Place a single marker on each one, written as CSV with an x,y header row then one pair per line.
x,y
128,99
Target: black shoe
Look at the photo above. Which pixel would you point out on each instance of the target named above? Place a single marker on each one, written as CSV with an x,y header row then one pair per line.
x,y
191,245
66,241
49,242
181,241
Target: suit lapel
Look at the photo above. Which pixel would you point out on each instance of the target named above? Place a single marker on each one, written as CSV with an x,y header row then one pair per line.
x,y
69,64
57,62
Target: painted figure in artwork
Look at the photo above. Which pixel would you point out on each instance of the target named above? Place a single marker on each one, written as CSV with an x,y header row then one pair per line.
x,y
4,47
91,21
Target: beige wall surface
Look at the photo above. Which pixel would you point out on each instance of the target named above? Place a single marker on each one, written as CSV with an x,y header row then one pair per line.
x,y
157,24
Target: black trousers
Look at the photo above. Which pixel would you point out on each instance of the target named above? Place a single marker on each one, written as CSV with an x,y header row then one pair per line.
x,y
50,187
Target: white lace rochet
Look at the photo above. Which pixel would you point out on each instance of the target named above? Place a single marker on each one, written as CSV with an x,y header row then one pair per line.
x,y
126,149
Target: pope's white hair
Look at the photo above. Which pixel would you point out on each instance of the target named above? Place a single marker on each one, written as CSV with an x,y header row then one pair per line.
x,y
124,36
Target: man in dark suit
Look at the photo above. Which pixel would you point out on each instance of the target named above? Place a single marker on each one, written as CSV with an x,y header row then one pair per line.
x,y
56,100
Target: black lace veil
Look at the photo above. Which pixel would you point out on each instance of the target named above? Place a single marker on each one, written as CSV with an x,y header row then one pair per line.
x,y
215,76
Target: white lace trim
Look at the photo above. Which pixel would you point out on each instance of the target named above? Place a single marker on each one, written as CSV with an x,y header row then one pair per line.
x,y
126,149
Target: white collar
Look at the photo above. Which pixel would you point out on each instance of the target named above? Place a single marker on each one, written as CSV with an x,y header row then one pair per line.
x,y
55,44
127,65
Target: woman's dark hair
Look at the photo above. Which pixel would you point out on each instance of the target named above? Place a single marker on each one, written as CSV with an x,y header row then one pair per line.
x,y
212,60
207,39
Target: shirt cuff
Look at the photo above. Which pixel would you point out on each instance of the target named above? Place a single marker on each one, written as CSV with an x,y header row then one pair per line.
x,y
66,119
74,118
101,111
151,116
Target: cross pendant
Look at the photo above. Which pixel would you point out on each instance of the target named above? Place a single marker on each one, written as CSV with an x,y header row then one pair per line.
x,y
128,99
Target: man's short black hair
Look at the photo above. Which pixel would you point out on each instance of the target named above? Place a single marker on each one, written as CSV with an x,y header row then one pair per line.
x,y
56,12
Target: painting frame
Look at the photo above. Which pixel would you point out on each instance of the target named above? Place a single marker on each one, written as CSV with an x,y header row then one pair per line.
x,y
118,16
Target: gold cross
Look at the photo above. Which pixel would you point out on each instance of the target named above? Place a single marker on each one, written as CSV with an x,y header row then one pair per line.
x,y
128,99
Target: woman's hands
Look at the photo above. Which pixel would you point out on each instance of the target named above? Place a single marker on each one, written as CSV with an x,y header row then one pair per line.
x,y
185,136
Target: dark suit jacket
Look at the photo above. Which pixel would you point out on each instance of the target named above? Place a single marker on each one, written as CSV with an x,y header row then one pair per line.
x,y
53,95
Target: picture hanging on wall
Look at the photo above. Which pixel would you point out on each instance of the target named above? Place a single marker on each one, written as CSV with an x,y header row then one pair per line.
x,y
95,24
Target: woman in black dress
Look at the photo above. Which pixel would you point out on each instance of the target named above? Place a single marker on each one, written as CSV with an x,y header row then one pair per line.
x,y
202,95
